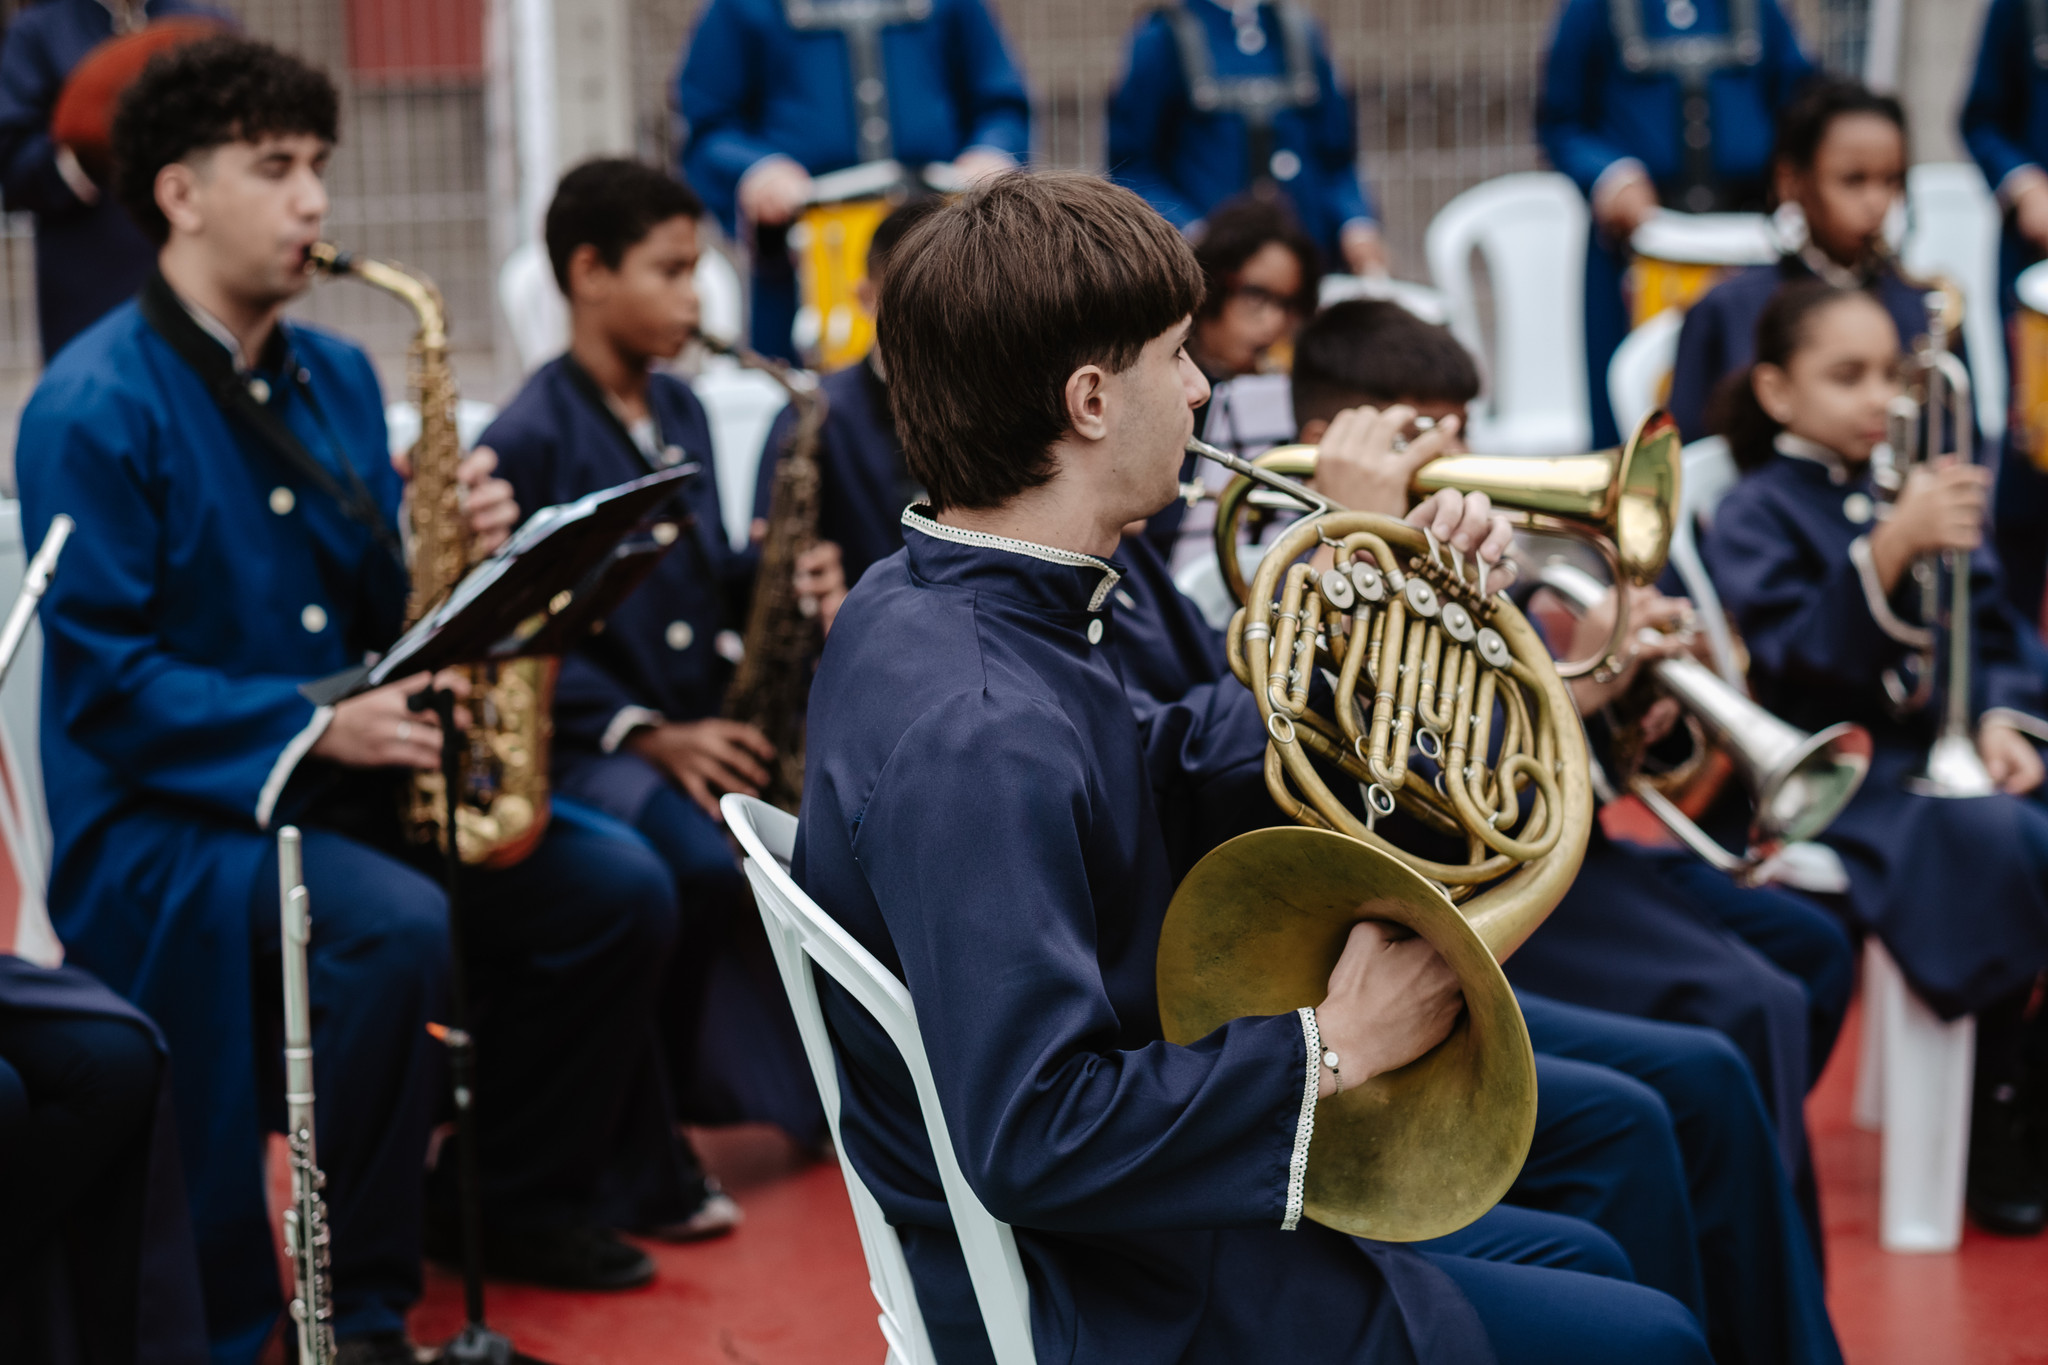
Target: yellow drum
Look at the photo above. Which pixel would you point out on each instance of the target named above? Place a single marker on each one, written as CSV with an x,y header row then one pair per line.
x,y
830,240
1680,256
2030,363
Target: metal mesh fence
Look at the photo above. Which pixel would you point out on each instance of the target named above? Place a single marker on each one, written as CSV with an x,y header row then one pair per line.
x,y
1444,91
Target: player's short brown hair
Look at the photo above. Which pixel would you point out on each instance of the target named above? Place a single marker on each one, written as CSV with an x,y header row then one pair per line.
x,y
993,301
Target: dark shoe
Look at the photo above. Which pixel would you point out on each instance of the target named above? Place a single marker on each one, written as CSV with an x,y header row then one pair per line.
x,y
2007,1194
555,1258
385,1348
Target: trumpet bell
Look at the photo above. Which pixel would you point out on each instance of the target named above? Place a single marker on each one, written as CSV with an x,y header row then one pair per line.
x,y
1810,784
1415,1153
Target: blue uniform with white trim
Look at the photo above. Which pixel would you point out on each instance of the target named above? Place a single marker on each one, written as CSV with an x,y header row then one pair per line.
x,y
1689,92
2005,126
978,813
206,581
768,78
1211,106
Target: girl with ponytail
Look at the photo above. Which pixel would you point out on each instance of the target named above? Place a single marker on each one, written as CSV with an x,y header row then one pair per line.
x,y
1818,573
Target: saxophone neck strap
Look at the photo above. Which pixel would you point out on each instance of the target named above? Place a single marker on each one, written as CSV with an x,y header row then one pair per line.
x,y
237,396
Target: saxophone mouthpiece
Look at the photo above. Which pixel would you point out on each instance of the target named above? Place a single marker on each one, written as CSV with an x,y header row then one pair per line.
x,y
329,259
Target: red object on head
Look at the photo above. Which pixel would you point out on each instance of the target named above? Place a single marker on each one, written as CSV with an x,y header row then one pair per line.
x,y
84,117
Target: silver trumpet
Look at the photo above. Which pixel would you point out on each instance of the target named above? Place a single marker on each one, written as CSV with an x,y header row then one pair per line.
x,y
1953,768
305,1222
1798,782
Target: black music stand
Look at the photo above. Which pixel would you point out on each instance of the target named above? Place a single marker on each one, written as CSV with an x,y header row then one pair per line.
x,y
562,570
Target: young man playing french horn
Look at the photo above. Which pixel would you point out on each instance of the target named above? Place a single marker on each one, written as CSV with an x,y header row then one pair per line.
x,y
977,813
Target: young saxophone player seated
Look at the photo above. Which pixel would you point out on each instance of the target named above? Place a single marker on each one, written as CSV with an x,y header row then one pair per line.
x,y
1821,577
978,813
638,730
227,552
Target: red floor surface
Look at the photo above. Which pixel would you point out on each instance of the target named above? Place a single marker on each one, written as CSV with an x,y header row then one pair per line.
x,y
790,1287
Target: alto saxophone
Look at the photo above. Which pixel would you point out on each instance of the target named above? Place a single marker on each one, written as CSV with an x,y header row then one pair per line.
x,y
305,1222
503,808
771,688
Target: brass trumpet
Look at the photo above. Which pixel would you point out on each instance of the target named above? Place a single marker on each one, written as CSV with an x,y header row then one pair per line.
x,y
1798,782
1622,502
1427,662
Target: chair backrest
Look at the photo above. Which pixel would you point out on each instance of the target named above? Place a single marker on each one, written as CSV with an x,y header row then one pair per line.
x,y
1419,299
539,318
802,934
1953,222
741,405
1639,376
1708,474
1530,230
24,818
402,423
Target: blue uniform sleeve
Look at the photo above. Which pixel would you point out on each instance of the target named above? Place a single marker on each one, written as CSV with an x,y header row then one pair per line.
x,y
1698,368
1994,119
1568,107
1336,144
985,889
1807,623
29,85
171,727
1142,114
988,85
719,92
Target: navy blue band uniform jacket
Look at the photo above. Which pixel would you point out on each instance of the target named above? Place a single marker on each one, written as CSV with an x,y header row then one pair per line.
x,y
1946,883
977,812
1186,153
658,654
205,582
90,256
755,86
1597,112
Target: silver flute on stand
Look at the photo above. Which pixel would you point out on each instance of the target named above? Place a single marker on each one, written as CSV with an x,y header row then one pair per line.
x,y
305,1222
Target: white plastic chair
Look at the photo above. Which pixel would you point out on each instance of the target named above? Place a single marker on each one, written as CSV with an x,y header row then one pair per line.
x,y
741,405
1914,1076
1639,376
1709,472
1953,230
402,423
802,934
1419,299
1530,229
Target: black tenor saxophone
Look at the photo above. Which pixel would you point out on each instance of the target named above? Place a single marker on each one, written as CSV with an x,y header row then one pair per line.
x,y
305,1222
503,808
772,685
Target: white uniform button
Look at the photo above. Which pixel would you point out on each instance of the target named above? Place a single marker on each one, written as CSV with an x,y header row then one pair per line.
x,y
259,389
283,500
1285,165
1857,507
665,533
1095,631
314,619
679,635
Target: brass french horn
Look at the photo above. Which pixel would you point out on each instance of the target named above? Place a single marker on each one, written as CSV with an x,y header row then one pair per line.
x,y
1432,670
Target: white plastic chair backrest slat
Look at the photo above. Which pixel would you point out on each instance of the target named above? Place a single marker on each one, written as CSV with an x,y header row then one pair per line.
x,y
24,816
1709,472
1530,228
1640,373
741,405
1953,223
768,837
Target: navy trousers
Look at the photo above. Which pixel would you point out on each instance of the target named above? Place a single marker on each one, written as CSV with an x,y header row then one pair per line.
x,y
565,952
734,1052
1797,935
1539,1316
1764,1293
